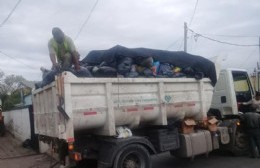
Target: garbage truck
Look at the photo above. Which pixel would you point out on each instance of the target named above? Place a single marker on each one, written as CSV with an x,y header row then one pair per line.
x,y
121,122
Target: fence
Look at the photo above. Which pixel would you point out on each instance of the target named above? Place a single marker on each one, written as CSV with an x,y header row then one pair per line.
x,y
19,122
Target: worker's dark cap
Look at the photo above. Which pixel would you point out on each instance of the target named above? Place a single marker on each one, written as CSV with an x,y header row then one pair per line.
x,y
56,30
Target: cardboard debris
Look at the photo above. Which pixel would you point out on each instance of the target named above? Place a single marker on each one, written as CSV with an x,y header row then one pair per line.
x,y
212,120
190,122
188,126
212,124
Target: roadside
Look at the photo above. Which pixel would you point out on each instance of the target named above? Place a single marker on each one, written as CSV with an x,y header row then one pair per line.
x,y
215,160
13,155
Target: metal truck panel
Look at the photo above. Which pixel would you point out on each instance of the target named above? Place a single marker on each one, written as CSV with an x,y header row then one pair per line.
x,y
99,105
194,144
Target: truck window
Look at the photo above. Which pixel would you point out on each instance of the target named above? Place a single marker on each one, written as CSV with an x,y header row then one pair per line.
x,y
242,86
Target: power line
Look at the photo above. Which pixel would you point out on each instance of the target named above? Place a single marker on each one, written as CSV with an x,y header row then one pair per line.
x,y
87,19
195,8
16,60
235,36
223,42
9,15
247,58
191,43
181,44
174,43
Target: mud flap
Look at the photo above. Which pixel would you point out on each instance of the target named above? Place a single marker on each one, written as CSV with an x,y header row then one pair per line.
x,y
224,135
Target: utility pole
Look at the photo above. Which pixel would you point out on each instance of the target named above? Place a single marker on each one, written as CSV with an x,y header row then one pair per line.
x,y
258,62
259,49
185,36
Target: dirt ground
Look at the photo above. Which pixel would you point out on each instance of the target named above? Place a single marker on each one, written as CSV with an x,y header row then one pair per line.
x,y
13,155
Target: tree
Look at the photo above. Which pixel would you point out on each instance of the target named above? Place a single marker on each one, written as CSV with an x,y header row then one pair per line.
x,y
9,93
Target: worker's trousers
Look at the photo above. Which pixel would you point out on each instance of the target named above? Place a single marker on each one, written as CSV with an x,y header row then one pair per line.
x,y
254,142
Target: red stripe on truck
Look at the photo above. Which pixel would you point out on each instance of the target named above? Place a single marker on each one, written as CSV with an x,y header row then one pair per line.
x,y
132,109
90,113
148,108
178,105
191,104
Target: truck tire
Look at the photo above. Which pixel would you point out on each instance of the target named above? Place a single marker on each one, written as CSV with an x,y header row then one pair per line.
x,y
132,156
241,145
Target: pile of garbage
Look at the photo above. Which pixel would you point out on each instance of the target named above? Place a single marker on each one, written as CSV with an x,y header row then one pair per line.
x,y
143,68
120,61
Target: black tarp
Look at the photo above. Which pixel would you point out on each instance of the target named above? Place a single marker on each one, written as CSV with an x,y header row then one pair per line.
x,y
181,59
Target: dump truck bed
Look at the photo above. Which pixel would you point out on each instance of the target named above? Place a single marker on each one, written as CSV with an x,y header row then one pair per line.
x,y
99,105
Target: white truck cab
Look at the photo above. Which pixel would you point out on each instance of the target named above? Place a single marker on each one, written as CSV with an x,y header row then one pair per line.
x,y
233,88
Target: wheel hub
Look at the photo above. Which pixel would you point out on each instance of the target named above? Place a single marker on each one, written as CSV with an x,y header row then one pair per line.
x,y
130,164
241,140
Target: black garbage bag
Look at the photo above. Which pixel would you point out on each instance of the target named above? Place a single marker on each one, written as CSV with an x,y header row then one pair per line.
x,y
104,71
144,61
199,75
83,72
124,66
48,77
38,85
133,73
44,72
190,73
179,75
148,72
166,70
84,64
95,57
90,68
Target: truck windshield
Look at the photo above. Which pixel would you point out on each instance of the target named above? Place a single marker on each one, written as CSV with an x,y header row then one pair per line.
x,y
242,86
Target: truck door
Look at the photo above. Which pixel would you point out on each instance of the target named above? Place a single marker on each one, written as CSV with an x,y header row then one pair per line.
x,y
243,89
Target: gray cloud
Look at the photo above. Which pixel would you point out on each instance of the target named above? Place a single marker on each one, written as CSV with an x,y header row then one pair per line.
x,y
133,23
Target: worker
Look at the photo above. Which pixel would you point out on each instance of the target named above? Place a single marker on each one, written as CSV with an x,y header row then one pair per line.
x,y
63,53
251,121
255,102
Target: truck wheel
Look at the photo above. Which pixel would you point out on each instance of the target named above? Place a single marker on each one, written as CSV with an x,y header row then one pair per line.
x,y
241,146
132,156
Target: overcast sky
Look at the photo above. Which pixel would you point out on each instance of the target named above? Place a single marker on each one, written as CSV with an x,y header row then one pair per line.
x,y
154,24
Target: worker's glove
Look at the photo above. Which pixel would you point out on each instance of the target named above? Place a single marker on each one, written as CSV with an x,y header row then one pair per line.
x,y
56,67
